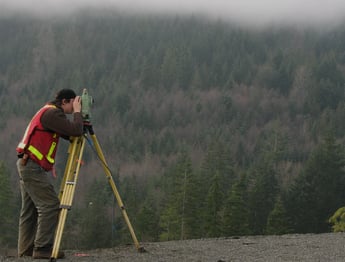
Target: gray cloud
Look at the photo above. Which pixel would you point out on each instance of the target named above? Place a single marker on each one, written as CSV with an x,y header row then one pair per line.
x,y
257,12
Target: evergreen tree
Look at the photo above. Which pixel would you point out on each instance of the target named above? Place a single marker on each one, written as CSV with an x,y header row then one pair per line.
x,y
131,194
96,225
218,160
262,196
216,176
192,207
277,222
236,212
179,212
170,224
72,237
214,204
319,190
147,222
169,68
8,225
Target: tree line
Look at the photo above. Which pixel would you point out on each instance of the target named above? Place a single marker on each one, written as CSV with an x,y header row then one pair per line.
x,y
215,200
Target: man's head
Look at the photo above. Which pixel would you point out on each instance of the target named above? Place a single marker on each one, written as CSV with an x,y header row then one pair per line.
x,y
64,98
65,94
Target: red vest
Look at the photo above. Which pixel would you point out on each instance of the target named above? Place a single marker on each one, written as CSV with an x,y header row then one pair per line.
x,y
39,143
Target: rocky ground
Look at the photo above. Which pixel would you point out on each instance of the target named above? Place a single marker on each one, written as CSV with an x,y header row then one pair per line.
x,y
308,247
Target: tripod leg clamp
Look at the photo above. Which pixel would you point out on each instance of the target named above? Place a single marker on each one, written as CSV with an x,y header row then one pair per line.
x,y
66,207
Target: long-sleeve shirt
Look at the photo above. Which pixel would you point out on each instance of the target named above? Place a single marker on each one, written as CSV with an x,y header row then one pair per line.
x,y
55,120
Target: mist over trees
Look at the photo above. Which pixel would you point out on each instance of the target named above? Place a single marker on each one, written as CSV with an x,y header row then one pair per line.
x,y
210,129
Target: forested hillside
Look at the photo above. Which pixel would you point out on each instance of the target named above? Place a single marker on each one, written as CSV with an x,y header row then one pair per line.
x,y
211,129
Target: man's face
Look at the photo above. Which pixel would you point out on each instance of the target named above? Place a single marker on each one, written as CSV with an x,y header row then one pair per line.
x,y
67,105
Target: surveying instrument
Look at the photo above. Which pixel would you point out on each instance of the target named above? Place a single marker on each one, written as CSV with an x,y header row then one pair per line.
x,y
71,173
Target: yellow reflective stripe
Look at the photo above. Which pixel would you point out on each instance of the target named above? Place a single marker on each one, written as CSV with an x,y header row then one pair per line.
x,y
51,150
50,106
35,152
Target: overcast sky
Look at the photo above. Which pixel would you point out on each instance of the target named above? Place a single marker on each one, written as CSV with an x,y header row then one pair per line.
x,y
260,12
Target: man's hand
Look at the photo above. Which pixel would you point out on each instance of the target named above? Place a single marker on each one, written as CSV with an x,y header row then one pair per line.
x,y
77,104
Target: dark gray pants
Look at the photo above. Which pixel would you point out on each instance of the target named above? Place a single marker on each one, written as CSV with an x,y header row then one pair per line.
x,y
40,209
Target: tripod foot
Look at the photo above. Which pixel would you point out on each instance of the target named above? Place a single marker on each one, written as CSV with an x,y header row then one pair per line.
x,y
141,250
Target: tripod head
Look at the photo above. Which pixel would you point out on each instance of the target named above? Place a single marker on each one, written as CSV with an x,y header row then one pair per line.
x,y
86,103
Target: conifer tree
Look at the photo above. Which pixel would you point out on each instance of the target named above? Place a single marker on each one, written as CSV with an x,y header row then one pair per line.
x,y
8,225
277,222
214,204
216,176
319,190
96,225
179,213
262,195
236,214
170,224
147,222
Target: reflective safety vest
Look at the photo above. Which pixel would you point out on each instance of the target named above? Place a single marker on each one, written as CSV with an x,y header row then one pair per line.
x,y
40,144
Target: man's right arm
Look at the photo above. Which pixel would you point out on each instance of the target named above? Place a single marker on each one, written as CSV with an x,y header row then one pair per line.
x,y
56,121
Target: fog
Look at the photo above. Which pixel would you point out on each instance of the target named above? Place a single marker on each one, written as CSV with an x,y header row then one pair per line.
x,y
255,12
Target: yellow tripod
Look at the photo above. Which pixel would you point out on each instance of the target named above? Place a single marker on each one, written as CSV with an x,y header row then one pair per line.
x,y
69,183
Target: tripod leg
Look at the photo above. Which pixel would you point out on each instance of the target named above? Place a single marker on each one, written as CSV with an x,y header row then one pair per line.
x,y
70,159
70,180
116,193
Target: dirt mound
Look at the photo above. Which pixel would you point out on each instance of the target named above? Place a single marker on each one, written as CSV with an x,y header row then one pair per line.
x,y
292,247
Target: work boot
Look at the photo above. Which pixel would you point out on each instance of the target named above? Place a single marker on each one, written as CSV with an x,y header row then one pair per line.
x,y
46,254
26,253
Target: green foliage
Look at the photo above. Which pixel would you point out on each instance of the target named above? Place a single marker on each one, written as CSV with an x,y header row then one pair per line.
x,y
318,191
262,195
214,208
179,214
216,176
277,222
338,220
8,225
217,161
147,222
236,213
170,224
132,192
95,217
122,103
327,90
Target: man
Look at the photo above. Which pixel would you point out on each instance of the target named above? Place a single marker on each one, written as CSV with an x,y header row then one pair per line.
x,y
36,152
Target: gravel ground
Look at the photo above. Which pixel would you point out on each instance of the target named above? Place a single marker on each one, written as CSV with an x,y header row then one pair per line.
x,y
292,247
